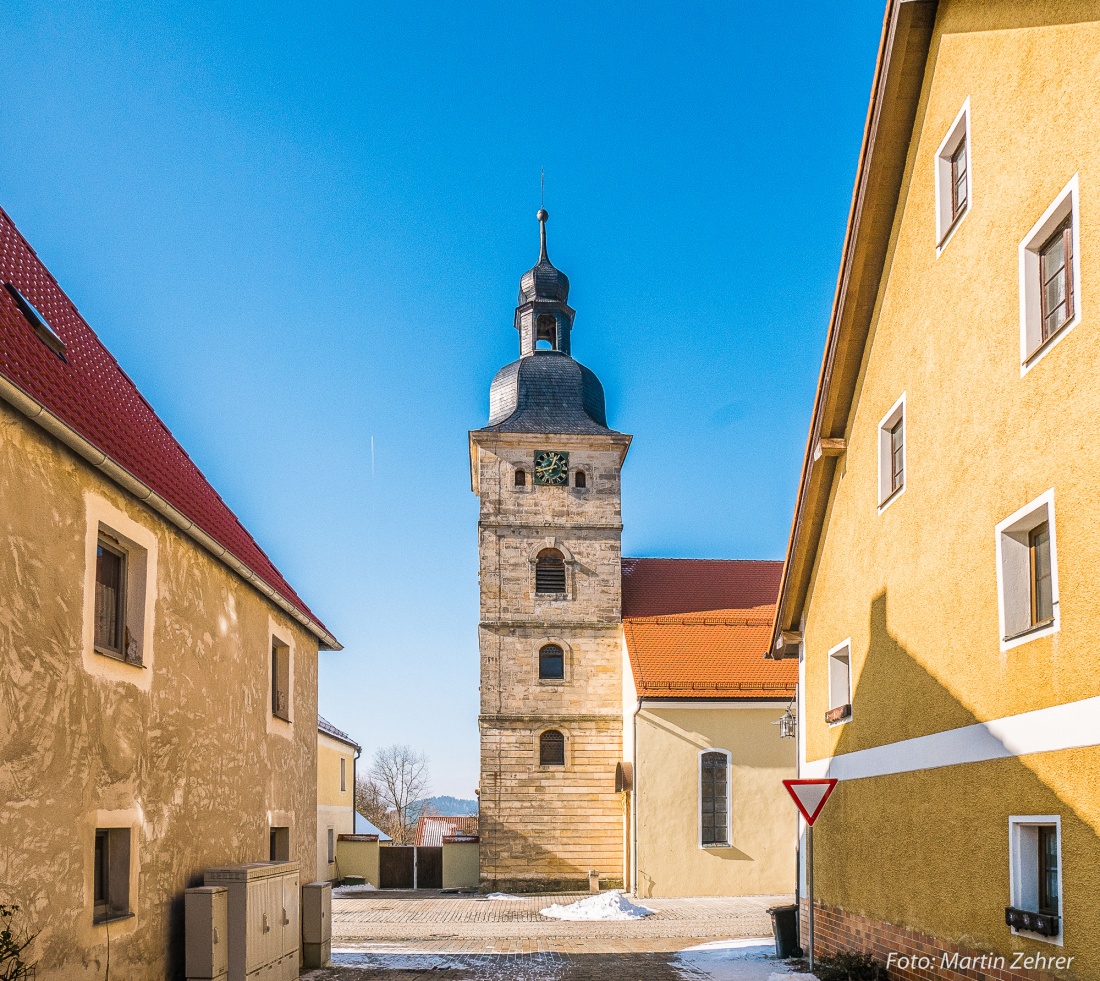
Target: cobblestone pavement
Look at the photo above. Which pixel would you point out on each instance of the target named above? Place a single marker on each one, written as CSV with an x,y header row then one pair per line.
x,y
399,936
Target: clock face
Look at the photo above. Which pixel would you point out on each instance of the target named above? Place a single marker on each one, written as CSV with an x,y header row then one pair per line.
x,y
552,468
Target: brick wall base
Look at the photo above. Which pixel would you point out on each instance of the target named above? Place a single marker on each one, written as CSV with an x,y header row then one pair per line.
x,y
920,957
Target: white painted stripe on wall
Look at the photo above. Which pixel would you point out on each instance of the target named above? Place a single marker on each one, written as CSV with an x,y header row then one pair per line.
x,y
1068,726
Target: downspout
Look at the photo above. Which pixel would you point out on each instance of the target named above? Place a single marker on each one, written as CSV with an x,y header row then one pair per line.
x,y
634,803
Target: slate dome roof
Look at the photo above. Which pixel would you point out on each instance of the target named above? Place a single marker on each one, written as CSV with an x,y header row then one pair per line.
x,y
547,392
543,281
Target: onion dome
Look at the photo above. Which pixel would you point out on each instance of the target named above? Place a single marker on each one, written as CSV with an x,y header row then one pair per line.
x,y
543,281
547,392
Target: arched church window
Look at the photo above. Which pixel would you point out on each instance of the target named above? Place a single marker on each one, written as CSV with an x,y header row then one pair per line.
x,y
521,477
580,480
550,571
551,748
713,790
552,662
546,329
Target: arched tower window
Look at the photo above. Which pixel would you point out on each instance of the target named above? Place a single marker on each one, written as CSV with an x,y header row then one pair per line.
x,y
521,477
551,748
546,329
550,571
713,787
580,480
552,662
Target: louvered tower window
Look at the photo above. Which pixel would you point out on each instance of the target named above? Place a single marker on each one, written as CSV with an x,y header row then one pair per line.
x,y
552,748
550,571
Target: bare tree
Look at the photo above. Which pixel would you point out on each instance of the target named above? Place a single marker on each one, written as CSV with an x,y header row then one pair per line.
x,y
400,779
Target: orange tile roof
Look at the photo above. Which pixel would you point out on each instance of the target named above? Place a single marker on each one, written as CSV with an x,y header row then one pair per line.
x,y
716,654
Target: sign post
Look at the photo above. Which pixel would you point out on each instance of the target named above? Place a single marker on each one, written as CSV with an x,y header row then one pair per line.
x,y
810,796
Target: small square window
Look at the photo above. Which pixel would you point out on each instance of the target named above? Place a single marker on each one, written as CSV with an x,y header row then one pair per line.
x,y
279,844
111,874
1027,573
891,454
1050,278
280,679
953,183
840,684
1035,877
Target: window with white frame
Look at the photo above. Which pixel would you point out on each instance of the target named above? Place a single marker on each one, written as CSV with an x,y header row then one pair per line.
x,y
840,684
1035,877
1027,573
953,182
119,601
714,798
891,454
1050,277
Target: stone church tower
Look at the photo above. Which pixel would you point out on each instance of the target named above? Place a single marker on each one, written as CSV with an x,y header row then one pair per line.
x,y
546,469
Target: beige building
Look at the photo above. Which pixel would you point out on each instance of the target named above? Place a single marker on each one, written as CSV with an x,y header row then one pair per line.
x,y
158,676
336,756
708,814
940,586
557,704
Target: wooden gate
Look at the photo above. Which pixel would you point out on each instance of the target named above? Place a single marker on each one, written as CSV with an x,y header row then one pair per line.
x,y
395,867
429,867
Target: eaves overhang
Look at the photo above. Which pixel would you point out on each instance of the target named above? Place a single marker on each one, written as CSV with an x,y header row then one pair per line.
x,y
119,475
895,95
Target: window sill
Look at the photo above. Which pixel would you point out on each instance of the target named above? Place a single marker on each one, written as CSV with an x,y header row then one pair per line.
x,y
1033,629
716,845
551,596
552,681
110,917
893,496
839,715
1046,345
122,659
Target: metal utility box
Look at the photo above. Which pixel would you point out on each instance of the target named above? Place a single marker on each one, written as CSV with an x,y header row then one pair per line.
x,y
206,935
263,919
317,924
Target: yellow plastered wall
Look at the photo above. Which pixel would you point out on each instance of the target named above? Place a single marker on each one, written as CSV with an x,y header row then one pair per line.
x,y
461,864
915,586
358,858
334,806
671,861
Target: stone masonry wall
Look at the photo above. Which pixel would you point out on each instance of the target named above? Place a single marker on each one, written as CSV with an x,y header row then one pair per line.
x,y
546,827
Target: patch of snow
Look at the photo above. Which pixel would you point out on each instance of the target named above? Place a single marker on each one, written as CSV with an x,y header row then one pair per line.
x,y
504,897
742,959
345,892
611,905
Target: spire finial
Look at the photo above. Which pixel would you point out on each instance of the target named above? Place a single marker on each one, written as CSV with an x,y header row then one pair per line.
x,y
542,216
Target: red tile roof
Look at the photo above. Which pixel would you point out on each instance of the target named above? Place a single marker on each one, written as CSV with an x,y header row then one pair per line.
x,y
431,829
658,587
700,628
92,396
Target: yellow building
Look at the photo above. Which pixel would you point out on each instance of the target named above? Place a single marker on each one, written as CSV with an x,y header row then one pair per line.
x,y
705,808
940,585
336,756
158,676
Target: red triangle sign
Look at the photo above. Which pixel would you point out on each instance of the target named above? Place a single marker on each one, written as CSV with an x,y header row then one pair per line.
x,y
810,796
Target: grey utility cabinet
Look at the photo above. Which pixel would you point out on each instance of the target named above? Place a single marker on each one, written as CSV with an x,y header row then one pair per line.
x,y
206,934
317,924
264,921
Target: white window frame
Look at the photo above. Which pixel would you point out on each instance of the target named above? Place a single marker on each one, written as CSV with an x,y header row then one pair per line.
x,y
945,224
1032,347
729,797
1014,572
833,703
1023,869
886,496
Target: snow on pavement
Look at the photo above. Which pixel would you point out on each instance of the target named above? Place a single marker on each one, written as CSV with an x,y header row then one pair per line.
x,y
611,905
750,959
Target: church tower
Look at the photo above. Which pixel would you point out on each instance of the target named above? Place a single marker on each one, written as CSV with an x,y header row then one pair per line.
x,y
546,469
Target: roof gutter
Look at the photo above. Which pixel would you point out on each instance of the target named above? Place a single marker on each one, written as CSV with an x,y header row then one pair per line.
x,y
895,95
38,413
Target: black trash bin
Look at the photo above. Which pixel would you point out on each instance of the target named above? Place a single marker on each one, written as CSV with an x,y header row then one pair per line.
x,y
785,929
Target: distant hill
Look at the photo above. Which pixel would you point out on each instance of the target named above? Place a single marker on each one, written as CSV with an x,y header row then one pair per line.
x,y
449,806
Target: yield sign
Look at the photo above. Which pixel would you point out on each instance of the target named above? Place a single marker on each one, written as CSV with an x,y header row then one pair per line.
x,y
810,796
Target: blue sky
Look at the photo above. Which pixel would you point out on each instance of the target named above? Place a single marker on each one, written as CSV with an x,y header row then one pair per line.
x,y
300,228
